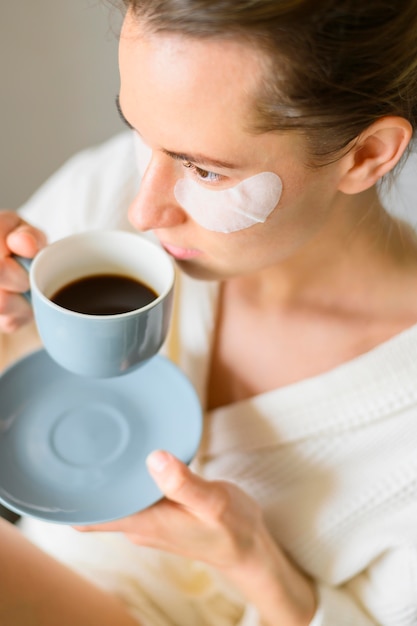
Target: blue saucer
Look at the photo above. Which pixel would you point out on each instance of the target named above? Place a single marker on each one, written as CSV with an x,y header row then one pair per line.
x,y
73,449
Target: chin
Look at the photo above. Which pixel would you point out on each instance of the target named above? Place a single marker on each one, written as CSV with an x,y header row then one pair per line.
x,y
197,271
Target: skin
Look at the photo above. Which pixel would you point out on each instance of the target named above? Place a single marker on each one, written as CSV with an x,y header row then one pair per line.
x,y
327,277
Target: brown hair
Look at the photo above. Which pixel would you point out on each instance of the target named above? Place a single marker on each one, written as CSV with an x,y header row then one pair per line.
x,y
334,66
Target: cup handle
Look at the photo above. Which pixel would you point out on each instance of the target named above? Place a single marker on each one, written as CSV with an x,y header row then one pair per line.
x,y
25,263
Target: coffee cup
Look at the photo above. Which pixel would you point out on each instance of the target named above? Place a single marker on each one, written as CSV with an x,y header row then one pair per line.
x,y
77,285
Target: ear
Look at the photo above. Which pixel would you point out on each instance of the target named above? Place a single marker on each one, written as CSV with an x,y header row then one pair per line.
x,y
375,152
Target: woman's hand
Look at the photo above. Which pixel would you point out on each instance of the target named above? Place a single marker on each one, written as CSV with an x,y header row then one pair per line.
x,y
16,237
214,521
217,523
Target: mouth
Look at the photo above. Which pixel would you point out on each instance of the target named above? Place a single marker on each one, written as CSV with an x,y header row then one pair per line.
x,y
180,253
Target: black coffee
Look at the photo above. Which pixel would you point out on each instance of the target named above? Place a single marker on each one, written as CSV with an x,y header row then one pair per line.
x,y
104,294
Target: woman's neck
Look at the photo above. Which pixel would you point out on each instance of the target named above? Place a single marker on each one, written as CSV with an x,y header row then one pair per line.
x,y
352,289
358,254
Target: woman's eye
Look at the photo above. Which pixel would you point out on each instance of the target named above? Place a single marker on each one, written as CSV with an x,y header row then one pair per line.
x,y
200,174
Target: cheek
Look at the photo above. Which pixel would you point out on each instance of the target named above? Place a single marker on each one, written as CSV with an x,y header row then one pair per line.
x,y
305,208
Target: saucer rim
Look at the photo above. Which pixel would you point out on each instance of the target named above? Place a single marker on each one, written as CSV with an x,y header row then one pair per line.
x,y
68,519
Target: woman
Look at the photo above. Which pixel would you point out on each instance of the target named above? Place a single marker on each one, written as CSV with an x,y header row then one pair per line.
x,y
263,130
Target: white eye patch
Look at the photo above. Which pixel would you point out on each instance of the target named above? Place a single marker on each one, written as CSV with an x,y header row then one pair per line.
x,y
229,210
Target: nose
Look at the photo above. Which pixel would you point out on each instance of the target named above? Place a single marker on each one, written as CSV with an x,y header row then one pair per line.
x,y
155,205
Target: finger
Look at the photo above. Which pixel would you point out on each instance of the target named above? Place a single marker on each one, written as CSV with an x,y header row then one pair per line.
x,y
18,237
8,222
14,312
11,323
140,522
12,278
118,526
181,485
26,240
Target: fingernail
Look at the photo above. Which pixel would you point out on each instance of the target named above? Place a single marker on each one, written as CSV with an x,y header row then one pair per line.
x,y
157,461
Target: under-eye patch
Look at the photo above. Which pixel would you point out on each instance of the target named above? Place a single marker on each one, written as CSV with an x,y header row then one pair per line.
x,y
229,210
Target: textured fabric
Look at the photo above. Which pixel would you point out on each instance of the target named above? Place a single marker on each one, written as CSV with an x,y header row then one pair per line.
x,y
332,459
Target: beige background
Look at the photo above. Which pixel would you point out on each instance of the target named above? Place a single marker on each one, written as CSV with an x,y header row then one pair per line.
x,y
59,79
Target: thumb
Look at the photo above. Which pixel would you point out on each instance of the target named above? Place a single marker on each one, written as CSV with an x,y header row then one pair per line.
x,y
179,483
26,240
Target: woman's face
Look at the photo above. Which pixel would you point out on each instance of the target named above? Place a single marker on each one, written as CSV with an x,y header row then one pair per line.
x,y
190,101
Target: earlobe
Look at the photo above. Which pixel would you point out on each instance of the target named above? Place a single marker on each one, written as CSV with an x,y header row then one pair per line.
x,y
375,153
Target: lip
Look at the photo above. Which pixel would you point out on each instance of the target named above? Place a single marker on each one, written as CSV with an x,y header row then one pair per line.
x,y
180,253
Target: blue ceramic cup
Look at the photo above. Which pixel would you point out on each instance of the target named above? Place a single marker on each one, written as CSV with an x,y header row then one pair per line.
x,y
101,346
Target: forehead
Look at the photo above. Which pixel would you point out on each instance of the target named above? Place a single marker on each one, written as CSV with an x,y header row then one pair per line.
x,y
170,81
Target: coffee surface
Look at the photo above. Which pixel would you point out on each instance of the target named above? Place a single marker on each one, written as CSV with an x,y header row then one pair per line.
x,y
104,294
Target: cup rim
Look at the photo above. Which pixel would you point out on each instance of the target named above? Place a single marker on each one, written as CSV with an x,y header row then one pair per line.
x,y
102,232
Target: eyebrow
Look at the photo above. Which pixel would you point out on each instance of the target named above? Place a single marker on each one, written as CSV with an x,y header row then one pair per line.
x,y
198,159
